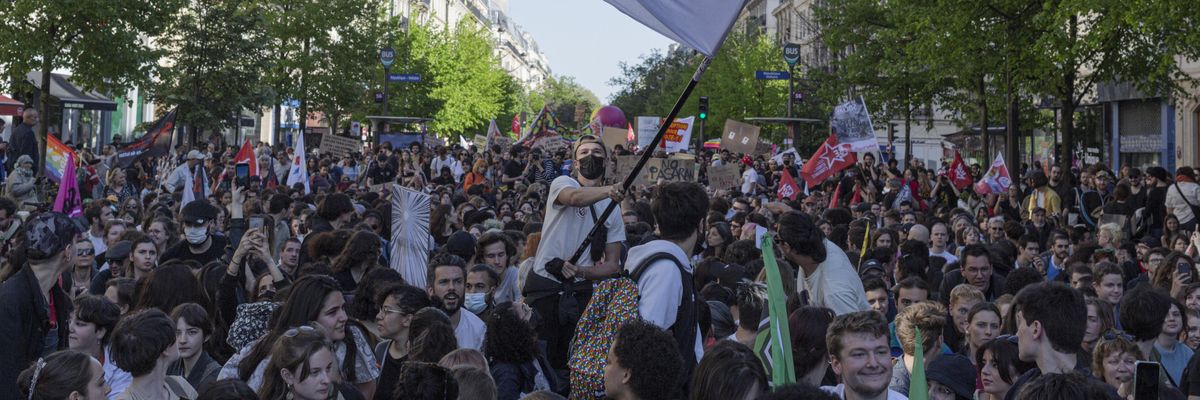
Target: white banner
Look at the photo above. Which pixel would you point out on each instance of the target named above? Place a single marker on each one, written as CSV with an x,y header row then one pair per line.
x,y
646,128
679,135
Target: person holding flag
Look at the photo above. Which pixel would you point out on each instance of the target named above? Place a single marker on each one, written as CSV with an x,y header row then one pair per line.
x,y
825,277
182,174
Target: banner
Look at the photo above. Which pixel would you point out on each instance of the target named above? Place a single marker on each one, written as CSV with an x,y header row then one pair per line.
x,y
493,132
852,125
646,129
778,158
958,173
479,142
57,156
788,189
68,200
739,137
996,180
667,170
411,241
679,135
339,146
830,158
699,24
155,143
724,176
551,145
299,171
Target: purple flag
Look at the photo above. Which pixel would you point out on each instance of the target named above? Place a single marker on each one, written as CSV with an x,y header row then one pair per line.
x,y
68,200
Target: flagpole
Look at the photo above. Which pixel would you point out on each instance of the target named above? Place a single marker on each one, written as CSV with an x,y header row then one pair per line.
x,y
662,131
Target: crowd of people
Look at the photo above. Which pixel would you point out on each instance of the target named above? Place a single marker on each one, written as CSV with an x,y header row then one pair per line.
x,y
1054,289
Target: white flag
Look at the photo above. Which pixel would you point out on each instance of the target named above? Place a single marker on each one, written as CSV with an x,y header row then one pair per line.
x,y
492,133
299,171
699,24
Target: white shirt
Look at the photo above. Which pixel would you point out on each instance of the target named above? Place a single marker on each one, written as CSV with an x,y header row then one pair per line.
x,y
946,255
117,379
749,179
835,284
97,243
1177,204
180,176
470,330
840,390
660,286
565,228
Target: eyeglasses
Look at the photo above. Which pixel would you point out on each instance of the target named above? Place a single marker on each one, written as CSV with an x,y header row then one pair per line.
x,y
391,310
1008,338
85,252
291,333
1115,334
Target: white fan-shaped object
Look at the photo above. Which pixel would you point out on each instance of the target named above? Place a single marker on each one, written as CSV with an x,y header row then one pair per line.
x,y
411,242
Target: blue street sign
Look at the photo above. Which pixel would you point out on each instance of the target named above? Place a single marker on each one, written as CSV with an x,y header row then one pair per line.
x,y
404,77
771,75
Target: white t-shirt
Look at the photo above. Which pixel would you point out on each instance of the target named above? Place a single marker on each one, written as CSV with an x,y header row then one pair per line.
x,y
470,330
840,392
749,179
660,286
835,284
946,255
98,245
565,228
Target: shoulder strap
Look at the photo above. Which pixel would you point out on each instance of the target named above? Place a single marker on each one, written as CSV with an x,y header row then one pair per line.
x,y
636,275
1180,190
177,386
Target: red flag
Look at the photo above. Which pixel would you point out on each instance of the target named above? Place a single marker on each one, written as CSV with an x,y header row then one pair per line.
x,y
837,195
787,186
516,125
830,158
958,173
246,156
630,137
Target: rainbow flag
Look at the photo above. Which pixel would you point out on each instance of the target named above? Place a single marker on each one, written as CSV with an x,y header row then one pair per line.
x,y
57,157
713,144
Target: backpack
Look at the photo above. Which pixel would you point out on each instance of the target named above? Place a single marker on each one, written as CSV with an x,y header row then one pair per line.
x,y
614,302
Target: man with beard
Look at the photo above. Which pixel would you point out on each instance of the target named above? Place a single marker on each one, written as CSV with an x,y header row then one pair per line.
x,y
199,245
446,284
977,270
860,356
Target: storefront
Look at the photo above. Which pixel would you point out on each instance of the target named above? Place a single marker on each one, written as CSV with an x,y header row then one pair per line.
x,y
76,116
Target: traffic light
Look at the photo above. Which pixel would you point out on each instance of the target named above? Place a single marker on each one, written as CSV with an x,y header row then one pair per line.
x,y
703,107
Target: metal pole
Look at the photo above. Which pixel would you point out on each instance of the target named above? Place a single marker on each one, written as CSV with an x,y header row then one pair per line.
x,y
662,131
386,99
791,88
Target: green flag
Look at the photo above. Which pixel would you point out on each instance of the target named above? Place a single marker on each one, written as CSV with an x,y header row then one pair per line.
x,y
918,388
783,369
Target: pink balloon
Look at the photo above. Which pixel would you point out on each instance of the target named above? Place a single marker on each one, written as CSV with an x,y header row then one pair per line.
x,y
610,116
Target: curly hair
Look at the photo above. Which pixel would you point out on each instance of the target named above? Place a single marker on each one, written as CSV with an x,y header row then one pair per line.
x,y
363,247
652,358
509,338
929,317
798,231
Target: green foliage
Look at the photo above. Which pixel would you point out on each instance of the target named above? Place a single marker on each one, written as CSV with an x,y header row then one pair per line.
x,y
216,52
563,93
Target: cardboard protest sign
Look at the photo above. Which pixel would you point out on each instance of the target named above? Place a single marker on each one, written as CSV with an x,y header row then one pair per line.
x,y
480,142
614,136
551,144
339,146
739,137
724,176
763,148
624,166
669,170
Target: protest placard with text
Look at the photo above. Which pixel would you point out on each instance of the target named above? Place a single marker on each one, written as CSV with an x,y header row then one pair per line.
x,y
340,146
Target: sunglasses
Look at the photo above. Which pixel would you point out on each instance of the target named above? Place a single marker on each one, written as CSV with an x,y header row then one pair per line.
x,y
291,333
1115,334
85,252
1008,338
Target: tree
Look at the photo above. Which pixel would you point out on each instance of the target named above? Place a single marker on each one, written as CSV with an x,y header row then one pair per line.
x,y
104,43
563,94
217,57
345,73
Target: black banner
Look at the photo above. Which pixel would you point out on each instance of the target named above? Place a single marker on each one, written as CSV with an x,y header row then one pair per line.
x,y
155,143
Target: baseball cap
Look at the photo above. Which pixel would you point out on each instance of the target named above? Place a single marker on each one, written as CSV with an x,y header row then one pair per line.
x,y
195,155
49,234
119,250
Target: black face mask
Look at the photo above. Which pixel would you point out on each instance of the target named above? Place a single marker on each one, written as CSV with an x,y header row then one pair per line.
x,y
591,167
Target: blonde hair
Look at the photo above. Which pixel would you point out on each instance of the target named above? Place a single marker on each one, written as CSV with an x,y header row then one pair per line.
x,y
964,291
929,316
1114,231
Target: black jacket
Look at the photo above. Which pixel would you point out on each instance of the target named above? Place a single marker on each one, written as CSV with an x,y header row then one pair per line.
x,y
954,278
24,323
23,142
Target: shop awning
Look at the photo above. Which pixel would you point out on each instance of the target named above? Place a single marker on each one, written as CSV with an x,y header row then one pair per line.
x,y
71,96
8,106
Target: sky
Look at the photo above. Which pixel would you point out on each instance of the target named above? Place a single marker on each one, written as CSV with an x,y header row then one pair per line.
x,y
585,39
